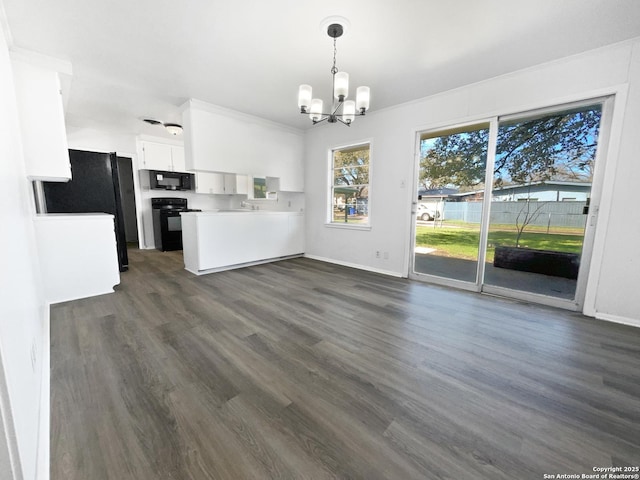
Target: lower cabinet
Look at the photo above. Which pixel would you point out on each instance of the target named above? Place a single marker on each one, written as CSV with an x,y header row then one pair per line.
x,y
78,255
214,241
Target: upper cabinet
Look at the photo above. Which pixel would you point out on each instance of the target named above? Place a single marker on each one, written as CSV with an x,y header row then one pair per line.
x,y
162,156
221,183
221,140
42,129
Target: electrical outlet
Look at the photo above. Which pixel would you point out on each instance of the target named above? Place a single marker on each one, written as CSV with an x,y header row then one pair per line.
x,y
377,253
386,255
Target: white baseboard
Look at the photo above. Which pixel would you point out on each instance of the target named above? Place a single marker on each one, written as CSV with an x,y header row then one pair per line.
x,y
618,319
240,265
355,265
43,455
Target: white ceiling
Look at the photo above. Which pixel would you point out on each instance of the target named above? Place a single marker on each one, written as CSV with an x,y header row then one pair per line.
x,y
144,58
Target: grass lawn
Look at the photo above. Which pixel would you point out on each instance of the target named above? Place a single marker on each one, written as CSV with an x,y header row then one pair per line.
x,y
462,242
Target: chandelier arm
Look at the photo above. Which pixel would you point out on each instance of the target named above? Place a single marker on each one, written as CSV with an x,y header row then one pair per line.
x,y
315,122
336,109
348,124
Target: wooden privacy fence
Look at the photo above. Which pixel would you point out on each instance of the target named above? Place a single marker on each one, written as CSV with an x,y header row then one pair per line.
x,y
545,214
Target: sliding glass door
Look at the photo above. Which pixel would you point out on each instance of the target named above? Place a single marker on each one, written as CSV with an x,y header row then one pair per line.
x,y
503,206
447,231
542,183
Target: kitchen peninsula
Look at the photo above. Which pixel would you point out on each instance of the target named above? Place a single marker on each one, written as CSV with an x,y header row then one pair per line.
x,y
225,239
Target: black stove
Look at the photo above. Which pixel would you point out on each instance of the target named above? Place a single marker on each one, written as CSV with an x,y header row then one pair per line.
x,y
167,224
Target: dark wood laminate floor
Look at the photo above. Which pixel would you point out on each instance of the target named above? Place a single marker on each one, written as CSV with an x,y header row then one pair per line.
x,y
305,370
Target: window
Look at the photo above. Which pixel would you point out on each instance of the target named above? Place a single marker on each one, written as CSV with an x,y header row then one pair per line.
x,y
350,185
259,187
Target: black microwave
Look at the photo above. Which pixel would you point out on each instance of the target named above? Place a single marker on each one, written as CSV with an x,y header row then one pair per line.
x,y
171,180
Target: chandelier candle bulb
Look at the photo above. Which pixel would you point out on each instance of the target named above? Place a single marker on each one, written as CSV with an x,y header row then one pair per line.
x,y
349,111
316,110
362,99
304,97
341,88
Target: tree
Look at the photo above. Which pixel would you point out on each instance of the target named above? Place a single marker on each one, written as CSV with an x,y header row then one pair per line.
x,y
351,168
559,146
454,160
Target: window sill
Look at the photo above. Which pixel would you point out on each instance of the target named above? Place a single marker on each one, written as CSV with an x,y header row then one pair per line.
x,y
348,226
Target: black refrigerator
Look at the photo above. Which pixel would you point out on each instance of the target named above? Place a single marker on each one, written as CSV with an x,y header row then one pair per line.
x,y
94,188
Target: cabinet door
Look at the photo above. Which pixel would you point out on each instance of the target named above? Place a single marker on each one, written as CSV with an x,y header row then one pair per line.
x,y
157,156
212,183
242,184
44,138
273,184
177,159
230,186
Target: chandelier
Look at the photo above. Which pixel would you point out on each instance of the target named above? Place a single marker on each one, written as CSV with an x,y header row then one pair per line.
x,y
340,82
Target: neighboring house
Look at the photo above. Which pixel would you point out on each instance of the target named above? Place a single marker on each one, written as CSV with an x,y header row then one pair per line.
x,y
550,191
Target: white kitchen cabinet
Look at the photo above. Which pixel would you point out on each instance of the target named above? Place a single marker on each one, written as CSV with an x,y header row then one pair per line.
x,y
212,183
242,184
215,241
221,183
272,184
177,159
230,185
221,140
161,156
78,255
42,128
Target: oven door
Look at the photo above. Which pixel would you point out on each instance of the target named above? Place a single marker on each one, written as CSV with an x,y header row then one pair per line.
x,y
170,230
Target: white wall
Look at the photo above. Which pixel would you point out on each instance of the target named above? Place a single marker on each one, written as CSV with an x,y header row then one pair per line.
x,y
612,288
24,339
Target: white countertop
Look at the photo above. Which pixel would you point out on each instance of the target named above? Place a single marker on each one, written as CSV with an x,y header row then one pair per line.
x,y
239,212
72,216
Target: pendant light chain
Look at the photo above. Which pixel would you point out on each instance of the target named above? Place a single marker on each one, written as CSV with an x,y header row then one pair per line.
x,y
334,70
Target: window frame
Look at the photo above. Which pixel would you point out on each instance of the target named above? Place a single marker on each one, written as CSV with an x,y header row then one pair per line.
x,y
330,222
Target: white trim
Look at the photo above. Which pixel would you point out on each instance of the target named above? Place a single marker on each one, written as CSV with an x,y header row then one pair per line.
x,y
18,54
515,73
530,297
329,200
607,317
195,104
166,141
7,429
242,265
595,194
591,95
349,226
43,457
445,282
354,265
4,25
606,188
485,222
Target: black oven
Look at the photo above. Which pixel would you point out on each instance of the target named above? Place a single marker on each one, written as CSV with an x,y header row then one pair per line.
x,y
167,224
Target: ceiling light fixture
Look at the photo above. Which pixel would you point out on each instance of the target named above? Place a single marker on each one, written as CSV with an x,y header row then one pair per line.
x,y
172,128
340,82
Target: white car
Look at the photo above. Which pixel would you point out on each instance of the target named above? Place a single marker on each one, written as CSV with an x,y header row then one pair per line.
x,y
426,212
